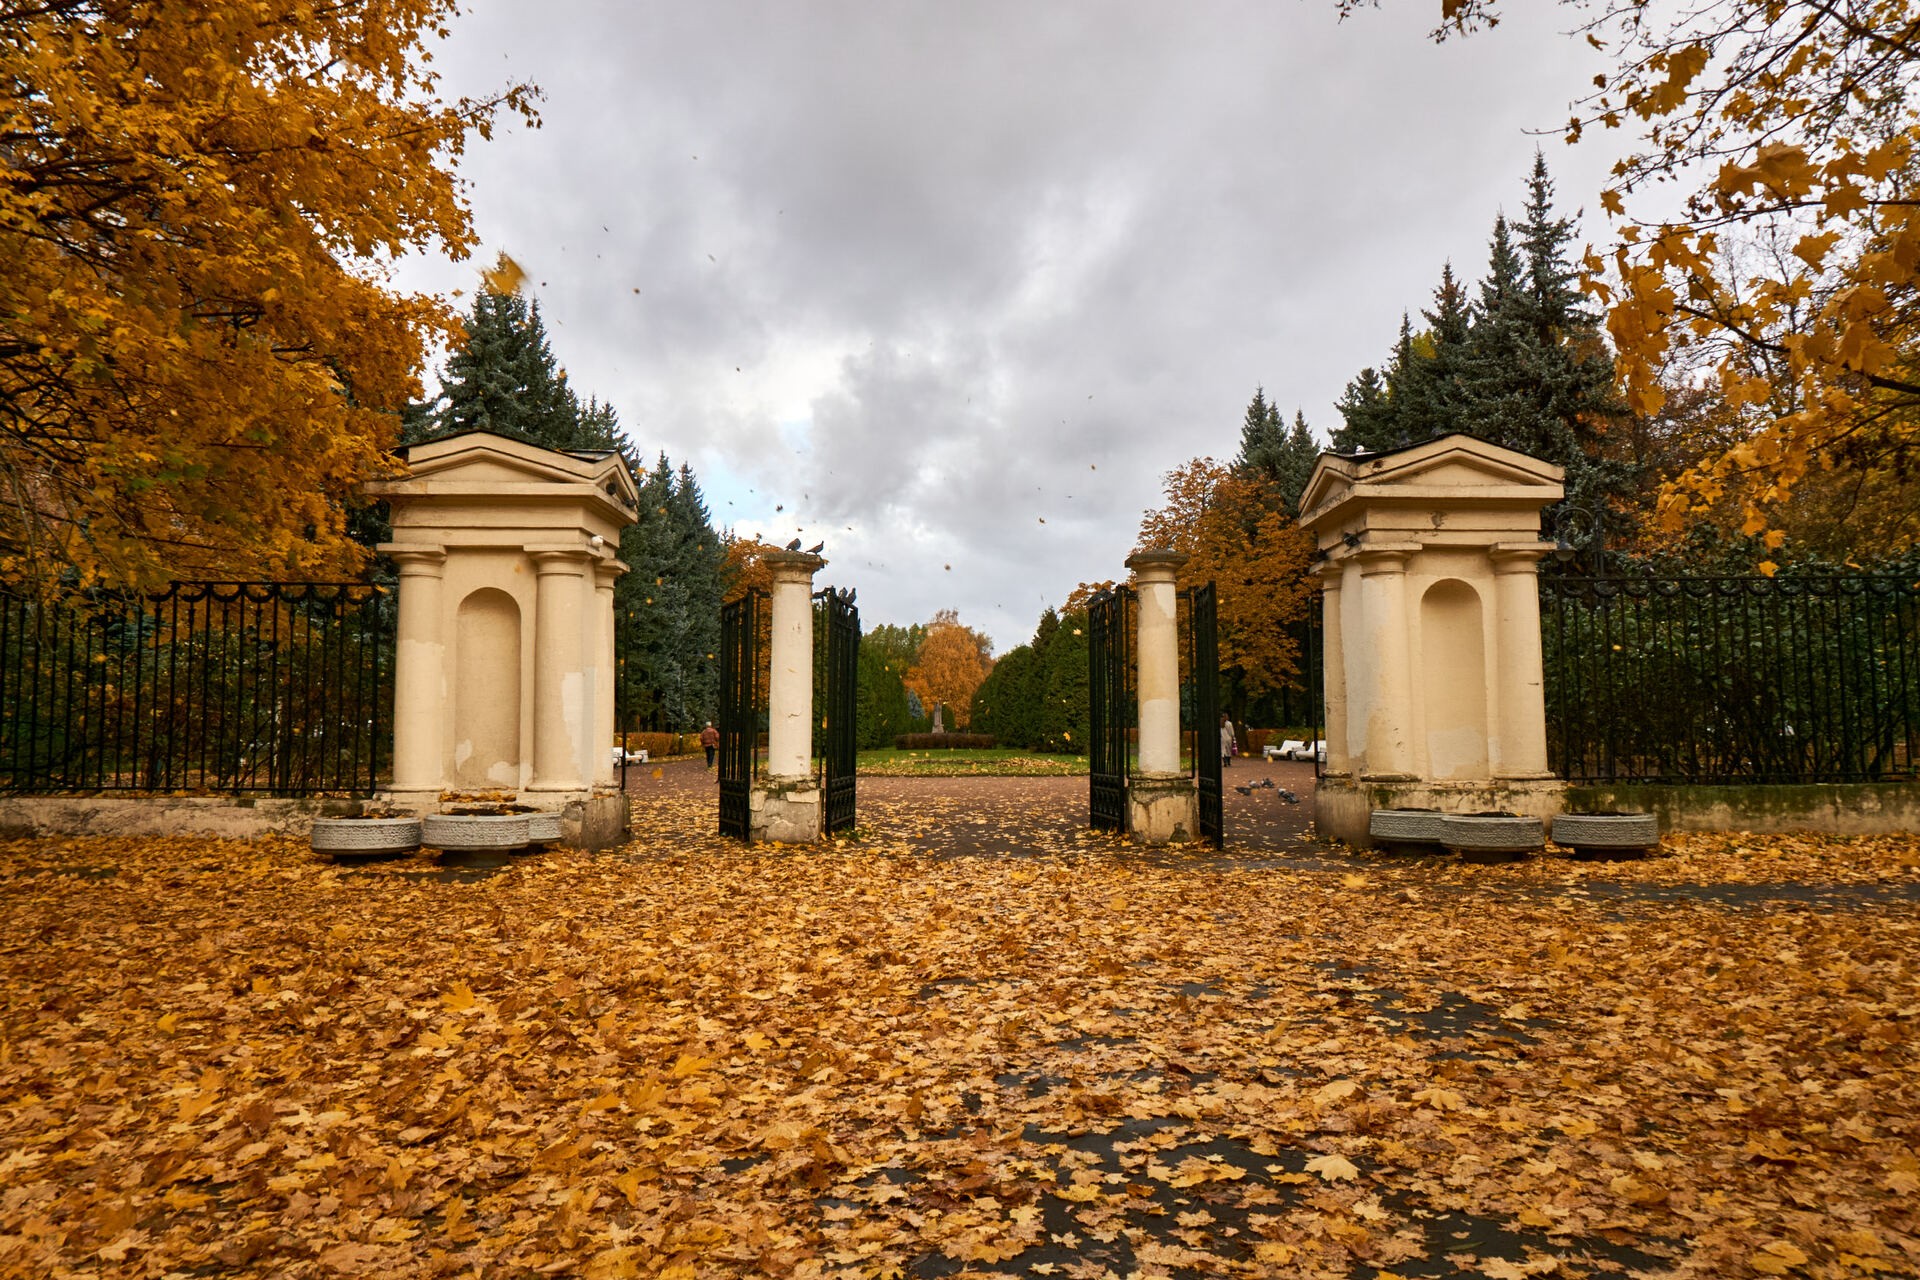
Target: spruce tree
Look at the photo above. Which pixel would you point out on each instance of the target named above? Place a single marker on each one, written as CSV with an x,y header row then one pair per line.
x,y
667,607
1366,416
1500,404
1436,395
505,379
1538,376
1262,437
1297,460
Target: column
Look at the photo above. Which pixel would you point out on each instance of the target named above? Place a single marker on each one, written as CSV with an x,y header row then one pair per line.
x,y
1157,651
420,673
1383,662
606,669
561,716
1519,698
790,681
1333,668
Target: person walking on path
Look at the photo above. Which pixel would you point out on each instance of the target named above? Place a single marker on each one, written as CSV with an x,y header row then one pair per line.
x,y
1226,742
710,739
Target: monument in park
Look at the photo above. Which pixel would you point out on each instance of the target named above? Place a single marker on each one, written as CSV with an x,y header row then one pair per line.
x,y
505,654
1433,681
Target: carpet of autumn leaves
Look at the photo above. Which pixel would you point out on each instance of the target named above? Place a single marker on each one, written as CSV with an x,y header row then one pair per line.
x,y
688,1059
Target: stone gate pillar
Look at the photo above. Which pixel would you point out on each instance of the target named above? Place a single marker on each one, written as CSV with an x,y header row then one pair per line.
x,y
1432,673
1162,805
504,662
785,805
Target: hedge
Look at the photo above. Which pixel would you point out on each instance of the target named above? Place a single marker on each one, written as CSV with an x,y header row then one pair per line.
x,y
658,746
925,741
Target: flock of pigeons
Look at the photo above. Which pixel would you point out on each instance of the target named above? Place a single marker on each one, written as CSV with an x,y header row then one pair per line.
x,y
1266,784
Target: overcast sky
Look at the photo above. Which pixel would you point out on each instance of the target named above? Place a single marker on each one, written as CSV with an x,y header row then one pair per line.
x,y
951,286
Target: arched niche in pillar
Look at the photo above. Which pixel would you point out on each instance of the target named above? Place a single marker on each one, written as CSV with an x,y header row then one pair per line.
x,y
486,692
1453,660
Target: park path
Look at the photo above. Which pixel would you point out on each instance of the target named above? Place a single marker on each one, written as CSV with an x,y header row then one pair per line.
x,y
957,817
964,816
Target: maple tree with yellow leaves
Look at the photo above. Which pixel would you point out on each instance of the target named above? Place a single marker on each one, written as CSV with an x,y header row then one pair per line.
x,y
1789,280
1239,535
949,667
200,357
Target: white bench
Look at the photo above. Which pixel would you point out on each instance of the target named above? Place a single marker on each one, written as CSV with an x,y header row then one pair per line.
x,y
629,757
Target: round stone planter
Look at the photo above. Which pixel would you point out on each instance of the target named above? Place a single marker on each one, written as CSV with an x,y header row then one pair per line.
x,y
361,836
1405,830
1619,835
1491,836
476,831
543,828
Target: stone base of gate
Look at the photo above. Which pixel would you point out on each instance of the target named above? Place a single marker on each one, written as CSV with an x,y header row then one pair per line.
x,y
590,820
1343,806
784,811
1162,810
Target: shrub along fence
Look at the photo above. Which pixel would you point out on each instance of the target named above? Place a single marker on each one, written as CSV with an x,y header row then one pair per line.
x,y
1722,680
280,688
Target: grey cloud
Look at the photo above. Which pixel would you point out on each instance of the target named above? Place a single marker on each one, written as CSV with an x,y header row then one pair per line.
x,y
915,268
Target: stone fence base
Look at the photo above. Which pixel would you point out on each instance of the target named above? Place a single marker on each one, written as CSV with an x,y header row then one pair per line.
x,y
1342,807
595,822
1829,808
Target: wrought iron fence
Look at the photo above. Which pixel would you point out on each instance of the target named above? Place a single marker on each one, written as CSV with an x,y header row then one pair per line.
x,y
1732,679
264,687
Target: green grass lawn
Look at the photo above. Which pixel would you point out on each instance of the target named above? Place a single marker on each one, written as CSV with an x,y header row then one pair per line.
x,y
968,762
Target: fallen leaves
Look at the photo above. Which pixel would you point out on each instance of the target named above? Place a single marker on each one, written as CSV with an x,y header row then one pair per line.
x,y
692,1059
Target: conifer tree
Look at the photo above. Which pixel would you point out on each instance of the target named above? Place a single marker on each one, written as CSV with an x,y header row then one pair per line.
x,y
881,709
1538,374
1365,414
505,379
1297,459
1499,394
1262,437
667,607
1065,709
1437,397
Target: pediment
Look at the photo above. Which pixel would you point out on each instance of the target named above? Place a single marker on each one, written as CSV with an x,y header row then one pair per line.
x,y
1454,463
481,459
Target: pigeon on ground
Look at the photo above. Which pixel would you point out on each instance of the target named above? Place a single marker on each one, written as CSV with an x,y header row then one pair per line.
x,y
794,545
1287,796
1245,791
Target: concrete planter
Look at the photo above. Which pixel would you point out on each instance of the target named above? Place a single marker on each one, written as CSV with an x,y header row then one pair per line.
x,y
476,831
1616,834
1491,835
354,836
1406,830
543,828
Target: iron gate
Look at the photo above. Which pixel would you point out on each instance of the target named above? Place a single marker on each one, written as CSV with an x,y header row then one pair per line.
x,y
1109,707
1203,650
740,688
838,743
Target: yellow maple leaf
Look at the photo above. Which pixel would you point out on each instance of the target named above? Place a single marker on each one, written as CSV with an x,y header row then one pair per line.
x,y
1333,1168
505,275
1776,1258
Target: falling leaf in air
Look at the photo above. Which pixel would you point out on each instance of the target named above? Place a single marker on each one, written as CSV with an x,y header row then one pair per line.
x,y
505,276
